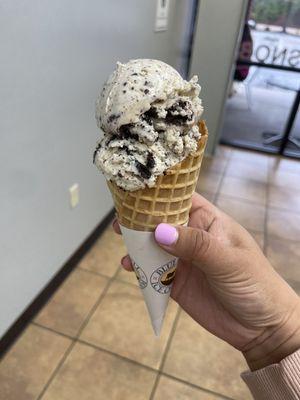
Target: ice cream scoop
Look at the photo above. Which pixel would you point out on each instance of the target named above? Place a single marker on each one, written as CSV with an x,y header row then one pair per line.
x,y
149,115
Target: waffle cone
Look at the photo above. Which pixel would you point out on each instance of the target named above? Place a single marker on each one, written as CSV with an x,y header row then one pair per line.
x,y
168,201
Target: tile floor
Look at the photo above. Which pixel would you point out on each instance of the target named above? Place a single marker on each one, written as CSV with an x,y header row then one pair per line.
x,y
93,340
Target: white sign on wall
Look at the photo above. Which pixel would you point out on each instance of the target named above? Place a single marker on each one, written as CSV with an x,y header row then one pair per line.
x,y
162,13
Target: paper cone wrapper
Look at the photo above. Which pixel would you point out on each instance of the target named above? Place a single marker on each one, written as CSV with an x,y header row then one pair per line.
x,y
140,211
155,272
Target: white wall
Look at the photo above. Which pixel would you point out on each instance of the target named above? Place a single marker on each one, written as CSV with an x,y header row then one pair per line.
x,y
215,43
55,55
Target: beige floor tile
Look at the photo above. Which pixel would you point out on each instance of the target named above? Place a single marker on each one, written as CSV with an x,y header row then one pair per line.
x,y
223,151
105,255
240,169
285,164
28,365
208,182
213,164
284,178
283,224
285,198
200,358
245,189
251,216
90,374
128,277
208,196
121,324
171,389
284,255
295,285
70,305
250,157
259,238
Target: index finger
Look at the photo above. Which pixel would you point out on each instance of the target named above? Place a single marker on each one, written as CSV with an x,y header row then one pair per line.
x,y
116,227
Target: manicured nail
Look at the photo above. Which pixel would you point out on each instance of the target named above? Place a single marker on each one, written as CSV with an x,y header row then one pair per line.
x,y
166,234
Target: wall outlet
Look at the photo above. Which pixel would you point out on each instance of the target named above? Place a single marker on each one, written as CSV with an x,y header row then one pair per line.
x,y
74,195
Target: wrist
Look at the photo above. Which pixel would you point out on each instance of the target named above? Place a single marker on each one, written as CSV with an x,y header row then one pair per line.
x,y
275,343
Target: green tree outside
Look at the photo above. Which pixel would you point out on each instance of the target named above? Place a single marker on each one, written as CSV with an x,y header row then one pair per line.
x,y
277,12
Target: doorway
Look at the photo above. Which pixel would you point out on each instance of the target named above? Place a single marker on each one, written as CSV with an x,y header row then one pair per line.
x,y
262,110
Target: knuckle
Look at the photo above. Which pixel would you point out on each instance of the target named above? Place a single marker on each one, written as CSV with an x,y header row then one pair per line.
x,y
200,244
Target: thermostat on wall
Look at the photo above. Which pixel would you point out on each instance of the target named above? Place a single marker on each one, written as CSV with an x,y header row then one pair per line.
x,y
162,13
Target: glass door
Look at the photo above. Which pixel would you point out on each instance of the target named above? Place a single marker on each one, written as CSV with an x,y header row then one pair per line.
x,y
262,107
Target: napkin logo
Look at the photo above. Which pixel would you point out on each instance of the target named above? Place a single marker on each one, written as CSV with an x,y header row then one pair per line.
x,y
162,278
140,275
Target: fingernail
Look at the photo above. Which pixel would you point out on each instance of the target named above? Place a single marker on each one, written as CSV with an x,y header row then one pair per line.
x,y
166,234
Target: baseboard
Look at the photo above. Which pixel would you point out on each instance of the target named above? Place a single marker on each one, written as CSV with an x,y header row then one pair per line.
x,y
18,327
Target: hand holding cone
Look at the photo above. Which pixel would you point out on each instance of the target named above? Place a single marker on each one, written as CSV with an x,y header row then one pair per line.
x,y
139,213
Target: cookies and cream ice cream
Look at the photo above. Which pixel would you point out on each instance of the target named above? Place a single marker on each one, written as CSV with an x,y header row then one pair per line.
x,y
149,116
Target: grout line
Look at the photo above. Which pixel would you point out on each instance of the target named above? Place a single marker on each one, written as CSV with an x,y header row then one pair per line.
x,y
193,385
268,206
95,306
283,239
155,385
127,283
93,309
52,330
242,200
124,358
266,236
288,211
168,345
76,336
57,368
96,273
75,340
247,178
267,210
98,348
137,363
162,363
31,311
217,194
110,281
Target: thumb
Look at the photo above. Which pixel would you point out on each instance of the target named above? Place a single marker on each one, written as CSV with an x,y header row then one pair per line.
x,y
190,244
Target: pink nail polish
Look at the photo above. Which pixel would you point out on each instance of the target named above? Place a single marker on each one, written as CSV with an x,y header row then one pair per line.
x,y
166,234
